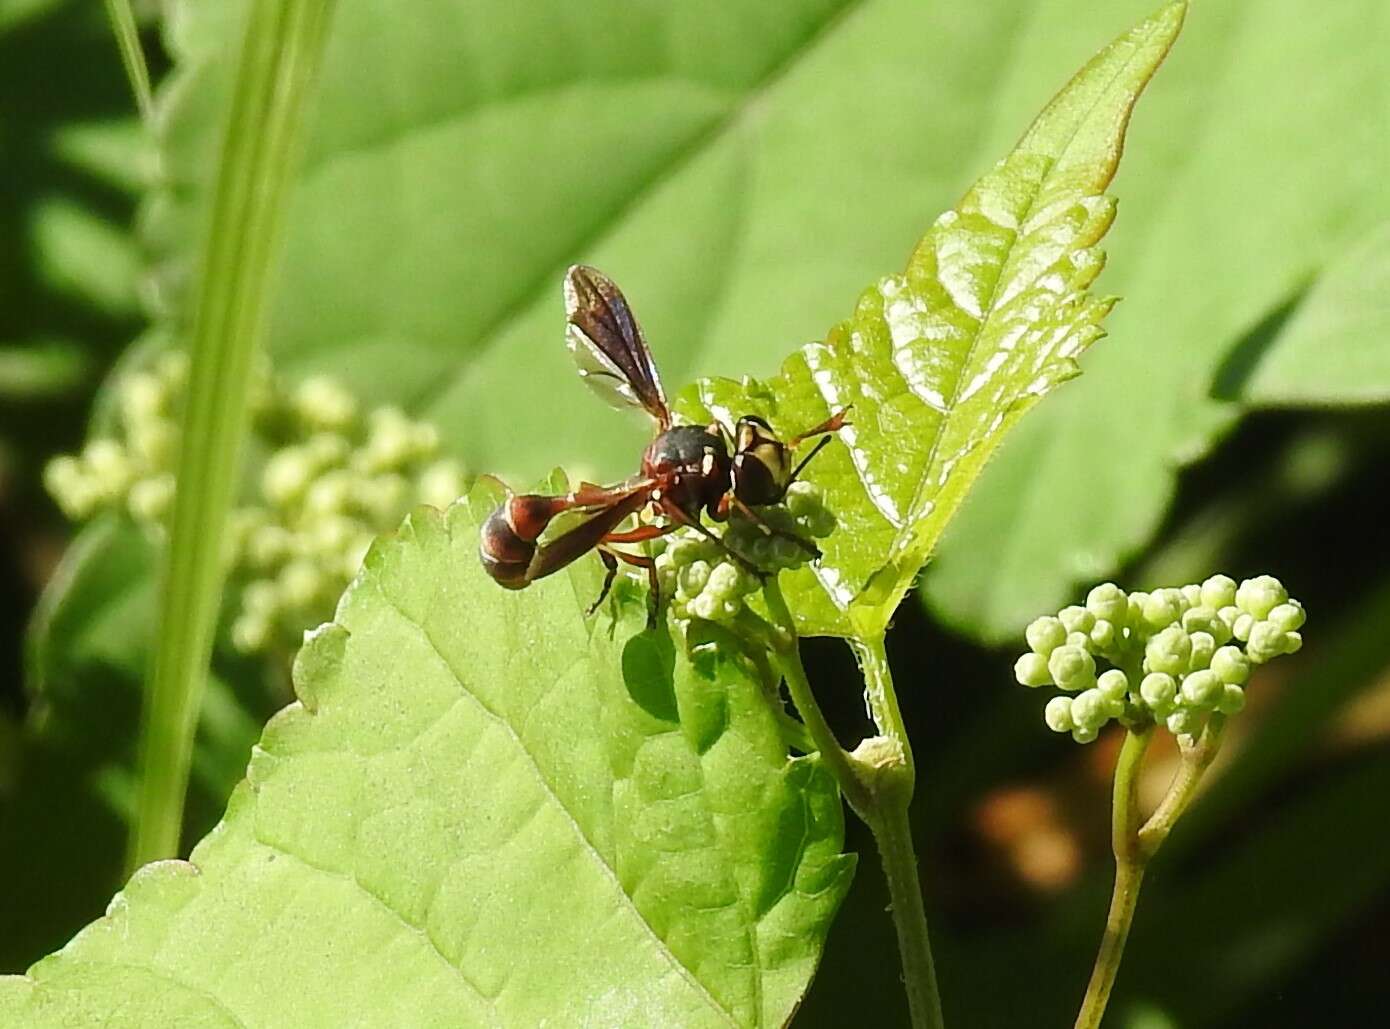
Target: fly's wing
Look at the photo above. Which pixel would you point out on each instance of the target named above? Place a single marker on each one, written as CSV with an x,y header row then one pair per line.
x,y
608,345
576,540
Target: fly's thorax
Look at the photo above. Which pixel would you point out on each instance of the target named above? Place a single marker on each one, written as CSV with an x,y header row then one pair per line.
x,y
691,466
761,466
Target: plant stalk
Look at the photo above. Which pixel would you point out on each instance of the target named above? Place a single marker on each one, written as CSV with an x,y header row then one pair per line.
x,y
1130,861
893,834
877,780
1135,843
279,60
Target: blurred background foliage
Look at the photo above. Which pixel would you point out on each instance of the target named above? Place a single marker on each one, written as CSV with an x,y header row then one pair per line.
x,y
743,171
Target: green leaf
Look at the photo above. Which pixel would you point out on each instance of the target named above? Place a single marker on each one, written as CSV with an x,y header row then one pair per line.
x,y
1333,349
486,810
1229,214
939,362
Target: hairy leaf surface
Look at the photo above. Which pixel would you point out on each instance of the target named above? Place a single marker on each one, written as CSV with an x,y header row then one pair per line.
x,y
486,810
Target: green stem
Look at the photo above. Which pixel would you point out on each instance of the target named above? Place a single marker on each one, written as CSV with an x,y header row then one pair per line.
x,y
893,834
132,55
1129,876
1135,844
279,61
877,780
836,759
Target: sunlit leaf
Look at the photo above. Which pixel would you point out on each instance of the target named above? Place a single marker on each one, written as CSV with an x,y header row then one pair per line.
x,y
504,810
1229,213
939,362
1334,349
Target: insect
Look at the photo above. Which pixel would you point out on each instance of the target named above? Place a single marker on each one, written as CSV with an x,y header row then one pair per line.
x,y
687,470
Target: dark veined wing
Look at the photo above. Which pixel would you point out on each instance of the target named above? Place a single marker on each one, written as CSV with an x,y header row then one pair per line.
x,y
581,533
608,345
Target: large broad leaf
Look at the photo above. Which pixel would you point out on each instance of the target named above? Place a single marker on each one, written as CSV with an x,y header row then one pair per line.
x,y
1335,348
939,362
742,175
487,810
1243,182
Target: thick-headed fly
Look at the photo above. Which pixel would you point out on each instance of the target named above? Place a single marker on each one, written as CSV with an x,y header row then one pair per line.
x,y
687,470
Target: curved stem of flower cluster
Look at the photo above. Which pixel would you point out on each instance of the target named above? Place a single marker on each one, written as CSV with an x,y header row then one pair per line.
x,y
1135,843
877,780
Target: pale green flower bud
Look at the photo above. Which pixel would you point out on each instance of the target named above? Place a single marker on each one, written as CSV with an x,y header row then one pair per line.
x,y
1031,670
1219,591
327,450
1162,608
330,493
109,466
383,497
693,578
142,397
1158,691
1204,619
1293,642
261,597
1267,641
1231,666
441,483
1232,699
1104,635
1081,735
1057,714
1288,617
1088,709
322,403
1203,647
152,443
1245,623
1072,668
251,633
1201,689
286,476
1134,618
1169,651
1079,639
1229,615
1260,595
300,583
1045,635
1113,684
1185,722
1191,596
69,484
1108,603
1076,619
267,546
149,499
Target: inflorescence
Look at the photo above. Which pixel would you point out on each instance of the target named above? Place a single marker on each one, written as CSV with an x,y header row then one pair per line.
x,y
335,478
1177,656
703,581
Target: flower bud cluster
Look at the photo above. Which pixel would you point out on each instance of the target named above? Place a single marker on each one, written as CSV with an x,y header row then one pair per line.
x,y
1177,655
336,477
701,580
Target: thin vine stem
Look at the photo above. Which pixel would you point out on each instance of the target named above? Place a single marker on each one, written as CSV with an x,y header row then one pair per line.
x,y
1129,876
1135,843
877,780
